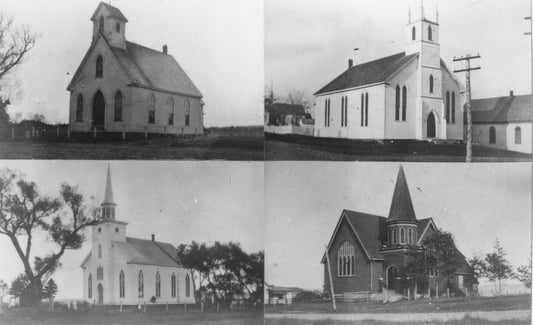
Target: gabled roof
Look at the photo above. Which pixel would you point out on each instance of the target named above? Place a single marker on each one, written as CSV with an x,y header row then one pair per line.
x,y
368,73
401,208
147,68
503,109
147,252
368,230
282,108
113,12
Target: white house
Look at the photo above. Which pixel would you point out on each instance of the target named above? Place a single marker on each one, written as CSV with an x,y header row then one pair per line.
x,y
123,86
131,271
502,122
408,95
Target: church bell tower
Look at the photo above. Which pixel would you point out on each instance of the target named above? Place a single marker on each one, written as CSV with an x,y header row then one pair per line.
x,y
111,23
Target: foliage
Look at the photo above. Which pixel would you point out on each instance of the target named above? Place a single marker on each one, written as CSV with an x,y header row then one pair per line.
x,y
307,296
524,274
441,253
497,268
50,289
24,212
477,265
224,271
19,285
4,117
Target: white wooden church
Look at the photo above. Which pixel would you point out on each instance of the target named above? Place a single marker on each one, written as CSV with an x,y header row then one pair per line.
x,y
408,95
121,86
131,271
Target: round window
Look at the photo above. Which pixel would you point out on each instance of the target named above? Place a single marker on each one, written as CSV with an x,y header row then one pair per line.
x,y
116,229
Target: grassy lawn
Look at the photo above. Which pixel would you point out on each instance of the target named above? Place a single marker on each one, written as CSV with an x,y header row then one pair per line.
x,y
130,317
295,147
465,321
520,302
226,147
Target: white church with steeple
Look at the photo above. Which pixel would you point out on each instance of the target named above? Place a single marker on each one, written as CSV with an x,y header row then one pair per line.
x,y
131,271
408,95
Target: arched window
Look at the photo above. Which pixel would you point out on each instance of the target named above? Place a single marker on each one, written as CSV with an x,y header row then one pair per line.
x,y
170,108
99,273
404,103
346,111
118,106
362,109
492,135
366,109
151,109
413,33
173,285
430,33
395,236
141,284
187,286
90,286
397,111
402,236
79,108
517,135
346,258
187,112
410,236
447,107
453,107
99,67
122,289
117,27
327,115
431,84
99,250
157,285
101,24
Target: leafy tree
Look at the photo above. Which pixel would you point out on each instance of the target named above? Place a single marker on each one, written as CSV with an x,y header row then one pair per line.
x,y
497,268
24,212
19,285
50,289
524,274
4,117
478,266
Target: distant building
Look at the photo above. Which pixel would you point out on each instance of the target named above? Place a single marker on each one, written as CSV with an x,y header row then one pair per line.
x,y
275,295
122,86
281,114
502,122
408,95
369,253
127,270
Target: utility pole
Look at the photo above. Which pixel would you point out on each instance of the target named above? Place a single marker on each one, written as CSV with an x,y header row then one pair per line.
x,y
531,38
467,58
330,281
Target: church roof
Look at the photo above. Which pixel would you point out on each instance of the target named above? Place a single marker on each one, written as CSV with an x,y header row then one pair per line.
x,y
368,73
113,12
503,109
401,208
147,252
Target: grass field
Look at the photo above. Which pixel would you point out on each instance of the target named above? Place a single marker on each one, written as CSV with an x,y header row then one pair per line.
x,y
27,316
465,321
518,302
295,147
237,146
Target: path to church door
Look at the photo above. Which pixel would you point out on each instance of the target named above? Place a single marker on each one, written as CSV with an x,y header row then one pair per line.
x,y
100,294
431,126
98,110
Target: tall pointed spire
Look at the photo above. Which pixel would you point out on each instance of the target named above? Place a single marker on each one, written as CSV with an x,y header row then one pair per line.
x,y
422,14
401,208
409,13
108,197
437,13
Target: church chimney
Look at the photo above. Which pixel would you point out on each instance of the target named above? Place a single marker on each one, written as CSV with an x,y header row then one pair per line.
x,y
350,63
165,49
153,237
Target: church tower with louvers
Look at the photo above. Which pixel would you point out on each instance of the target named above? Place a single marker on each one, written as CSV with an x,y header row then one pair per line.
x,y
126,270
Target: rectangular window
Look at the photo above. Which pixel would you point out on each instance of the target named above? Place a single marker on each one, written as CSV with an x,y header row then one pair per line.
x,y
151,117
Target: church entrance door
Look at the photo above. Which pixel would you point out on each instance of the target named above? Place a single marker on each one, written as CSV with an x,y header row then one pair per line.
x,y
392,274
100,294
98,110
431,126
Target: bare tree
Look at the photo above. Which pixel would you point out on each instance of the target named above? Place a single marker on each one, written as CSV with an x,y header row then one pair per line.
x,y
24,212
15,43
297,97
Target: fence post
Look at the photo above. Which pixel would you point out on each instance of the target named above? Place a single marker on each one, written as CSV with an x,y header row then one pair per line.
x,y
68,131
121,306
164,130
218,306
166,308
185,307
145,133
32,131
448,292
145,306
182,133
123,133
12,133
94,132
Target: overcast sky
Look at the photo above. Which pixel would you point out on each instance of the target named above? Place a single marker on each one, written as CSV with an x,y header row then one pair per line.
x,y
219,44
177,201
308,42
477,203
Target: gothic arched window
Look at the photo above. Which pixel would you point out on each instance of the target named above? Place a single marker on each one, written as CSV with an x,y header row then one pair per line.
x,y
99,250
157,285
448,107
366,109
492,135
187,104
187,286
346,258
99,273
173,285
90,286
413,33
517,135
99,67
395,236
122,288
151,109
402,236
397,108
140,280
453,107
170,107
101,24
430,33
118,106
431,84
410,236
79,108
404,103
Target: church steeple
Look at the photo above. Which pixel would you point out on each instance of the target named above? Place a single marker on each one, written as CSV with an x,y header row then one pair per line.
x,y
111,23
401,208
108,205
